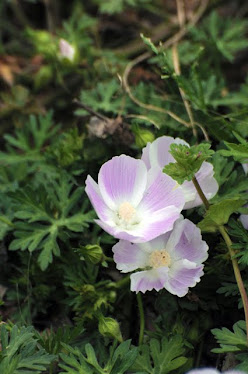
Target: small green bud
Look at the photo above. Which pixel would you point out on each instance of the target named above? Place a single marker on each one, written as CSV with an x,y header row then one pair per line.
x,y
112,296
110,328
142,136
92,253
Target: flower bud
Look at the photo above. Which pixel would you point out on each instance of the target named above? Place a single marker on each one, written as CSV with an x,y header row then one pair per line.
x,y
92,253
66,50
110,328
142,136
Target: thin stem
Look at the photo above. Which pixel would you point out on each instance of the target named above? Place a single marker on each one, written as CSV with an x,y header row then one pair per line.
x,y
177,69
122,282
228,242
200,193
142,318
144,56
237,274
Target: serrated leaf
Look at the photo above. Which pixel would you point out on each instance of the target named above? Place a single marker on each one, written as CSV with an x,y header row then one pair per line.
x,y
231,341
238,151
46,213
20,352
219,213
188,161
166,356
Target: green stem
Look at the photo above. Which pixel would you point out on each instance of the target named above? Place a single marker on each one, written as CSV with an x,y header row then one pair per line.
x,y
237,274
142,318
122,282
228,242
200,193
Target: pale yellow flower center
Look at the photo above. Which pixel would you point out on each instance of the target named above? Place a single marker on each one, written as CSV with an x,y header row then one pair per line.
x,y
126,212
159,258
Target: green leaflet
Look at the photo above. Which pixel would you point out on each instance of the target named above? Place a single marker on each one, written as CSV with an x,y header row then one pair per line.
x,y
160,357
120,360
188,161
219,213
231,341
46,214
20,353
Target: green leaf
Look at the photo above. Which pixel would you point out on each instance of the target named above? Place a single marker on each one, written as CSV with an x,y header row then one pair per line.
x,y
20,353
120,360
149,43
29,140
46,214
188,161
238,151
231,341
166,356
219,213
106,97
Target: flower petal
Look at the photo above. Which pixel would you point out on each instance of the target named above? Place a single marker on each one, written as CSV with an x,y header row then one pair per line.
x,y
186,242
159,154
122,179
96,199
111,228
183,274
156,223
161,192
129,257
244,220
209,185
245,167
146,155
151,226
147,280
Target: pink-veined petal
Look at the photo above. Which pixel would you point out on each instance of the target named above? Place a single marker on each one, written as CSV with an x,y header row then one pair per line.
x,y
129,257
183,274
156,223
186,242
148,280
92,190
151,226
146,156
122,179
159,150
161,192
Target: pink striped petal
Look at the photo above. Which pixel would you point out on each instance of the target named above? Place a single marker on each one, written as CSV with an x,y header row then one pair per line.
x,y
159,154
93,192
122,179
183,274
186,242
149,279
162,191
129,257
